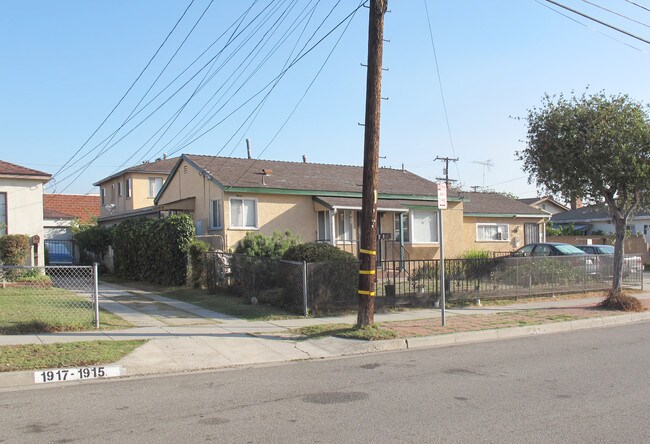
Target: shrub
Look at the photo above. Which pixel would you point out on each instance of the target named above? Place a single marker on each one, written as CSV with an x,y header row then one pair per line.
x,y
92,238
14,249
198,249
475,254
274,246
154,250
317,252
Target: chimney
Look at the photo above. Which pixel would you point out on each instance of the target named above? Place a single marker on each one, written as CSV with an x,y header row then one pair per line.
x,y
576,202
304,158
248,148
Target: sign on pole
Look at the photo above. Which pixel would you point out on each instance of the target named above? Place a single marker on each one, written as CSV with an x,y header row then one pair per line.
x,y
442,195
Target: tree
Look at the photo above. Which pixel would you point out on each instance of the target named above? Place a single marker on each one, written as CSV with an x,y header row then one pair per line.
x,y
596,147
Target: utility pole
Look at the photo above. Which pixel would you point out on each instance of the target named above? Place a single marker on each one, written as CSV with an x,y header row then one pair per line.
x,y
475,188
368,245
447,160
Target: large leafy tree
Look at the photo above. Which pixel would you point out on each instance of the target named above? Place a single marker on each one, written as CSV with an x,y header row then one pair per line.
x,y
596,147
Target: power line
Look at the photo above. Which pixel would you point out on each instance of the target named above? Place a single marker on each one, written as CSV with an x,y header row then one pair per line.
x,y
616,13
637,4
127,91
442,95
634,36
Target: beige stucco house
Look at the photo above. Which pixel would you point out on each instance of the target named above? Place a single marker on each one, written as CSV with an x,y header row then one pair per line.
x,y
131,192
228,197
546,203
21,205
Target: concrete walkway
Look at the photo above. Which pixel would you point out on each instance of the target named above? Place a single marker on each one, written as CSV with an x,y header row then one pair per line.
x,y
184,337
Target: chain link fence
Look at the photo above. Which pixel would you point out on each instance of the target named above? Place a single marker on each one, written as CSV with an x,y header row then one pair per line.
x,y
57,297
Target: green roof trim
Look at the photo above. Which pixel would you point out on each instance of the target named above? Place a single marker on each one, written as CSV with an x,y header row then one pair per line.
x,y
264,190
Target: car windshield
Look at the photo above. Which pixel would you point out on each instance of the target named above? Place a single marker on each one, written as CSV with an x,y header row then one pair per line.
x,y
568,249
606,249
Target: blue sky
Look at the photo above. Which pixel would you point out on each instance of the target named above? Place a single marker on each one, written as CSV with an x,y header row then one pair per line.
x,y
66,64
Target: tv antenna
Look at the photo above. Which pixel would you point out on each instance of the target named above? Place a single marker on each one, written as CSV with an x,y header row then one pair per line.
x,y
486,164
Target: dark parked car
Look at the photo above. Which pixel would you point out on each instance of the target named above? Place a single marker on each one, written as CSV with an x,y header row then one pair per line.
x,y
549,249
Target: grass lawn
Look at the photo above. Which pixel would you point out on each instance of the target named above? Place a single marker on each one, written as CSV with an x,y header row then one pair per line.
x,y
48,309
221,302
347,331
72,354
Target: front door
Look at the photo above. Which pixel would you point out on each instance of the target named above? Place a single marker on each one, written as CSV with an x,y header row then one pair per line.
x,y
531,233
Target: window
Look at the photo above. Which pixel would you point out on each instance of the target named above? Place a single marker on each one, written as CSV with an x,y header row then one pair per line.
x,y
217,214
102,195
119,188
424,226
128,188
405,227
345,225
155,184
243,213
492,232
112,192
3,213
323,226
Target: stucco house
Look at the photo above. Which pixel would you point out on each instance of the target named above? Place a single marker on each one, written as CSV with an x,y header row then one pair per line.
x,y
59,213
228,197
595,219
131,192
21,205
546,203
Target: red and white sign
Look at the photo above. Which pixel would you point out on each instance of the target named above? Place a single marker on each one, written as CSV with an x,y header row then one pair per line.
x,y
442,195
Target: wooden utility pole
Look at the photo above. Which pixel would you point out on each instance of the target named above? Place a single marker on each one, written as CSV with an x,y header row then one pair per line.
x,y
368,246
447,180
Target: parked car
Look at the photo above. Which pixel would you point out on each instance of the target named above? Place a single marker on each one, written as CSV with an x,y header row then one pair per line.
x,y
549,249
631,264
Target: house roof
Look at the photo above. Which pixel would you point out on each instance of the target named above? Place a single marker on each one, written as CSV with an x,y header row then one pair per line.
x,y
70,206
162,166
495,204
13,170
252,175
540,200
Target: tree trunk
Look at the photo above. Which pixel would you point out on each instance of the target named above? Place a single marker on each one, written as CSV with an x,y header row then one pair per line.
x,y
619,250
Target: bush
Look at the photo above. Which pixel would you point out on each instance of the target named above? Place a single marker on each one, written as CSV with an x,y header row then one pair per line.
x,y
475,254
198,249
92,238
274,246
154,250
317,252
14,249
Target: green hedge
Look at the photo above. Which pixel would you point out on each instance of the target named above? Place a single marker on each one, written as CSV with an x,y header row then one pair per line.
x,y
153,250
14,249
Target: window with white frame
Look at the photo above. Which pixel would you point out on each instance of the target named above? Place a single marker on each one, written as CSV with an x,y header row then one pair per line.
x,y
119,188
155,184
492,232
345,225
217,213
243,213
323,226
128,188
424,226
3,213
404,227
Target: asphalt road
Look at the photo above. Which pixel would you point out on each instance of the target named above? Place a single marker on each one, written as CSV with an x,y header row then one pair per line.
x,y
587,386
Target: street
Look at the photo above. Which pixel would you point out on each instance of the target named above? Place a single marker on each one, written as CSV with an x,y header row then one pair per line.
x,y
587,386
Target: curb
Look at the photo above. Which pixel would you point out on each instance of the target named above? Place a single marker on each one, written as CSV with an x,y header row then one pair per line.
x,y
25,379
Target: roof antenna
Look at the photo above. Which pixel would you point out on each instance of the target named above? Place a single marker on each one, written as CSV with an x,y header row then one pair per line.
x,y
248,148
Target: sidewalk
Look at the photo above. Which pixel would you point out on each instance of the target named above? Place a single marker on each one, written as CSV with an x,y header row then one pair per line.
x,y
184,337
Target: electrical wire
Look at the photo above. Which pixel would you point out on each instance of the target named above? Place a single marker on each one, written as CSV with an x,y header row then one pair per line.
x,y
637,4
128,90
616,13
442,94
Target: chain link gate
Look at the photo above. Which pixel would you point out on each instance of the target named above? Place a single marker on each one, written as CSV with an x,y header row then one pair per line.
x,y
61,297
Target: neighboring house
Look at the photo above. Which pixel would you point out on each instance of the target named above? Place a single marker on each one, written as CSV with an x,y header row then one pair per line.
x,y
21,205
595,219
59,213
228,197
495,222
131,192
547,204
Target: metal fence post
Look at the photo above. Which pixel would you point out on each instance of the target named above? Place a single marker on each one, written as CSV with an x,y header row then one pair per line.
x,y
304,288
96,294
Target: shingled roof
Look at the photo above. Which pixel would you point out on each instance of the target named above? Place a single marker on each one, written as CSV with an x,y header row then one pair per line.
x,y
236,173
162,166
70,206
498,204
11,169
